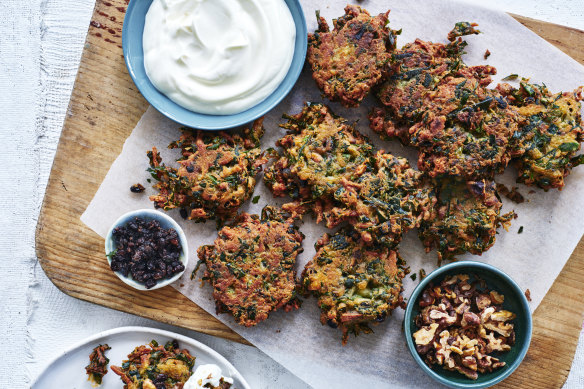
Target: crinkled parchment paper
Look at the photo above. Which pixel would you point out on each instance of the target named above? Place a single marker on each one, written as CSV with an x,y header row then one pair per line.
x,y
553,222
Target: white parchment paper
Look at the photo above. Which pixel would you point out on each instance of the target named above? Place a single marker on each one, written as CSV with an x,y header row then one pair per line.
x,y
553,222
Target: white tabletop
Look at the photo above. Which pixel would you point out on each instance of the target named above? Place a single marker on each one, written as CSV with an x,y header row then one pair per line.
x,y
40,46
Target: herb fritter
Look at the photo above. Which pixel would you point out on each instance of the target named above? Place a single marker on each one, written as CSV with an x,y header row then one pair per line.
x,y
434,102
415,69
330,169
155,366
549,135
465,218
387,202
251,266
216,173
355,284
349,60
465,131
321,153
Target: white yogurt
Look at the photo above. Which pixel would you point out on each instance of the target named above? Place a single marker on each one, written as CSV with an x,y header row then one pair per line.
x,y
218,56
206,374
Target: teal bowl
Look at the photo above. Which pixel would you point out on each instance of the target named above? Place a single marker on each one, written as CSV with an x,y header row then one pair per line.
x,y
515,301
134,56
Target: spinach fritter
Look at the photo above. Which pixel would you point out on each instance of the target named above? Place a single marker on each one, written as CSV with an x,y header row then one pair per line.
x,y
330,169
549,134
355,284
387,202
321,153
465,131
415,69
155,366
251,266
434,102
465,218
216,173
349,60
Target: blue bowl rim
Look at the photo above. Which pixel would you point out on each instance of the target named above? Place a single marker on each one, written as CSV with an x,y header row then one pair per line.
x,y
436,274
220,120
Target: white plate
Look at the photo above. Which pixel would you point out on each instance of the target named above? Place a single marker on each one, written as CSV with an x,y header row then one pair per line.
x,y
67,370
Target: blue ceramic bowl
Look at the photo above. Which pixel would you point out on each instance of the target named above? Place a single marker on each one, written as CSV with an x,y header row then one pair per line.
x,y
166,222
515,302
134,57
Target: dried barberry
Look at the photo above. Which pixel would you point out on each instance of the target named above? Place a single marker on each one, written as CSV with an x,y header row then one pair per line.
x,y
137,188
146,251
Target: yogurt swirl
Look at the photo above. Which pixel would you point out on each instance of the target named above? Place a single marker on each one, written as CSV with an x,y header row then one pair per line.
x,y
218,57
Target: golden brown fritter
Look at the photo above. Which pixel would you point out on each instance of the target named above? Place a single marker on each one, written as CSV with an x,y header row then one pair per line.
x,y
348,61
216,173
329,169
465,218
321,152
549,134
386,202
251,266
355,284
415,69
155,366
434,102
465,132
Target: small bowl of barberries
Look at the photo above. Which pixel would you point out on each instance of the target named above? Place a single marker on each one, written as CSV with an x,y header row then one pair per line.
x,y
146,249
468,325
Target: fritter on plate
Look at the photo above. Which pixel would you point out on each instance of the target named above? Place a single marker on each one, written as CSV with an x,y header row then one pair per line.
x,y
349,60
216,173
355,284
549,134
98,363
434,102
251,266
321,153
465,218
155,366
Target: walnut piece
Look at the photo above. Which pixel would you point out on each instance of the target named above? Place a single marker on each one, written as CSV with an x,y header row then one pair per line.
x,y
425,335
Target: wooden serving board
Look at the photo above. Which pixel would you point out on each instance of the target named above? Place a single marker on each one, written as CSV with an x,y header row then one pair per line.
x,y
105,106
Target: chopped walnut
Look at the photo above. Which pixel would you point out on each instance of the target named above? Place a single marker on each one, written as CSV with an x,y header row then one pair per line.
x,y
425,335
482,301
497,298
500,328
460,324
502,316
470,319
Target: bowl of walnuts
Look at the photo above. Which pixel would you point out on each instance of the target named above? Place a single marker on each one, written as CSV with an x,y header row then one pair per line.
x,y
468,325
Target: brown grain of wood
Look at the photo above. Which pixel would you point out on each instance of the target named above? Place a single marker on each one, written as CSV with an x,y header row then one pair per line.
x,y
105,107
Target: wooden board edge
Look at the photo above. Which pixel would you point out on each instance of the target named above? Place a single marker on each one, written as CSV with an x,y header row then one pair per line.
x,y
551,31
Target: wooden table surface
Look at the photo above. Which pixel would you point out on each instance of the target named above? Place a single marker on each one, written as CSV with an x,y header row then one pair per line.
x,y
105,107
